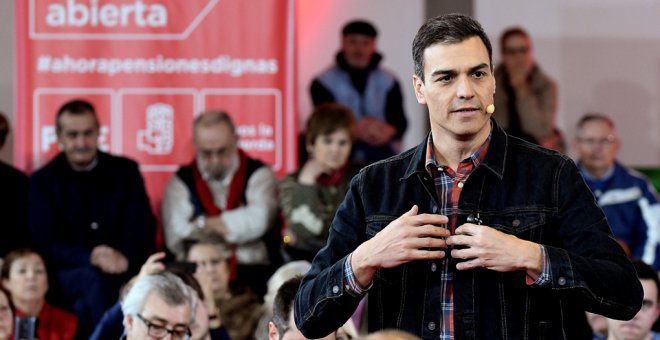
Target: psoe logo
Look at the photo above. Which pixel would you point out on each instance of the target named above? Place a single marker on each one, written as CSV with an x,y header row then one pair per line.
x,y
116,19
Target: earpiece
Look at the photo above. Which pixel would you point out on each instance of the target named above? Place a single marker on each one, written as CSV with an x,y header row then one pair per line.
x,y
490,108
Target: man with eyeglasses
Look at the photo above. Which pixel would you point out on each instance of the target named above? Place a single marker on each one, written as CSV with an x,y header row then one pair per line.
x,y
526,98
158,306
627,197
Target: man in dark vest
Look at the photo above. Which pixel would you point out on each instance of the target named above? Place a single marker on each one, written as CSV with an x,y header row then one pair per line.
x,y
371,92
225,192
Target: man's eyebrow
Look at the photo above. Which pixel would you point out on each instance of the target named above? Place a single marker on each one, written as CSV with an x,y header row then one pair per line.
x,y
442,72
450,71
478,67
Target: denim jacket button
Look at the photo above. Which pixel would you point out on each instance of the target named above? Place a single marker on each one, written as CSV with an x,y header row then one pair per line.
x,y
431,325
515,222
433,267
435,209
94,225
561,281
335,289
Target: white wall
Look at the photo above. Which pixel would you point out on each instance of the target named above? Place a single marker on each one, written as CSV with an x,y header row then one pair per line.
x,y
319,31
605,57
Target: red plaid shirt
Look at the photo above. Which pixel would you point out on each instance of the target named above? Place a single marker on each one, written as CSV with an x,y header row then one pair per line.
x,y
448,185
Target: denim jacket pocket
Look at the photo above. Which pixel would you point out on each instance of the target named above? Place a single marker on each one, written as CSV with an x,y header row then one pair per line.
x,y
523,225
376,223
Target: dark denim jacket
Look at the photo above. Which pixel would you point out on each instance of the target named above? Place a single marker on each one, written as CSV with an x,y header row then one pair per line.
x,y
520,189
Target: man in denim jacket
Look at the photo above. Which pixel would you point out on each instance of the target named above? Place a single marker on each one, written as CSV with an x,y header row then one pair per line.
x,y
473,234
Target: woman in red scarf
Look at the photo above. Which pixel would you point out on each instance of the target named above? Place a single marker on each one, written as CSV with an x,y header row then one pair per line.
x,y
24,276
310,196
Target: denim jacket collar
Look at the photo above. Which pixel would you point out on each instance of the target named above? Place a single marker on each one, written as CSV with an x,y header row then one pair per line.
x,y
494,161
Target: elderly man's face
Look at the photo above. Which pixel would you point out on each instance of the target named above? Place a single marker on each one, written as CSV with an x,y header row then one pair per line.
x,y
216,147
358,49
596,146
640,326
158,317
458,85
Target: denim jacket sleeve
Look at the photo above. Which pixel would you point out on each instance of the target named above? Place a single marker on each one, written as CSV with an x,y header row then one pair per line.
x,y
589,261
322,304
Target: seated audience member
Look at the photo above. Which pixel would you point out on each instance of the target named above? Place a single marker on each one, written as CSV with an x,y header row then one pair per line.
x,y
203,327
283,326
90,217
233,303
158,305
281,275
13,201
627,197
639,328
225,192
526,98
310,196
25,277
6,316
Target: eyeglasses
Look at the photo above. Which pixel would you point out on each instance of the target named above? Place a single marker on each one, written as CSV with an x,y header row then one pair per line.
x,y
160,332
607,141
516,50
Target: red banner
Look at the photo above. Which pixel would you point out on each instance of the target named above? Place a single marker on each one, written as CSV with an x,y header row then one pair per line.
x,y
149,67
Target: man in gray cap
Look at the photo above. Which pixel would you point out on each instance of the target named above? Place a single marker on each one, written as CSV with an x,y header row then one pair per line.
x,y
373,94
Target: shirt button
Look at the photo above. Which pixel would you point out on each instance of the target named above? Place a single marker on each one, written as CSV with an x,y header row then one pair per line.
x,y
460,184
435,209
431,325
434,267
441,169
335,289
94,225
561,281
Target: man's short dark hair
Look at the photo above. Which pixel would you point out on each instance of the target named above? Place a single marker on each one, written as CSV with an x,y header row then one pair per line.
x,y
283,303
511,32
646,272
446,29
76,107
4,129
359,27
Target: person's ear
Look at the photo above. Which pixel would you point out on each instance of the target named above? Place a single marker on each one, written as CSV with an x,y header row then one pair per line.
x,y
273,334
418,85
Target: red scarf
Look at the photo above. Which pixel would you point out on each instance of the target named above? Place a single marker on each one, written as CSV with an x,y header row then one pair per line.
x,y
234,196
333,178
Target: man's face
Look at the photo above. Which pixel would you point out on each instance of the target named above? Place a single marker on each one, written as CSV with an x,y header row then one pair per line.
x,y
517,53
158,314
358,49
458,85
639,327
216,147
78,136
596,146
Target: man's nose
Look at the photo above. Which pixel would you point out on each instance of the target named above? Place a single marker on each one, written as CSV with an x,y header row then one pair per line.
x,y
464,88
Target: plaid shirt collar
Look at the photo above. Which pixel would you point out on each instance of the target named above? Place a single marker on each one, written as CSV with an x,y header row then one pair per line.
x,y
476,157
